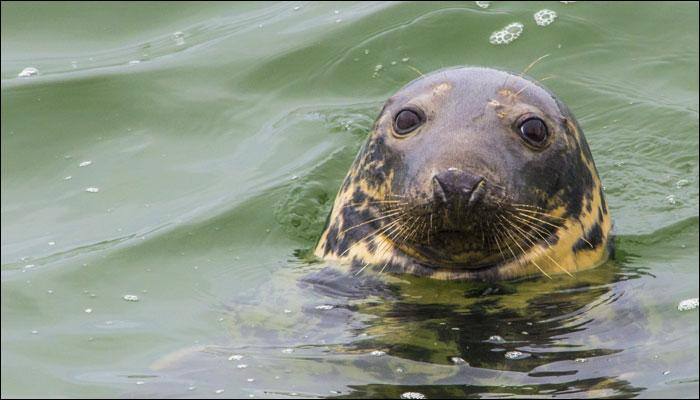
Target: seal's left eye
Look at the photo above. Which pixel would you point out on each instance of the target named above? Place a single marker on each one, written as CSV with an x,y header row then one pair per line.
x,y
407,121
534,131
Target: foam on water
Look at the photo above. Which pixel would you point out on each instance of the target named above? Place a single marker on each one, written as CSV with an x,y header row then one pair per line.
x,y
508,34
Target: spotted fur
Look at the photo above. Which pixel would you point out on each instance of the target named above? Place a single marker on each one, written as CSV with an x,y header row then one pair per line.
x,y
564,227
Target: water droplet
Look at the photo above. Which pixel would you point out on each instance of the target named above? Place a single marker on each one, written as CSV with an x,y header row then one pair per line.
x,y
219,391
242,366
297,8
288,351
85,163
688,304
412,395
35,332
52,243
667,372
92,190
28,72
458,360
67,178
496,339
378,353
483,4
250,380
681,183
580,360
139,382
131,297
235,357
191,388
179,38
324,307
405,59
88,310
516,355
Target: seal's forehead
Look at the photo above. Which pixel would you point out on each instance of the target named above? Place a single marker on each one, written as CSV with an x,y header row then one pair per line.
x,y
478,85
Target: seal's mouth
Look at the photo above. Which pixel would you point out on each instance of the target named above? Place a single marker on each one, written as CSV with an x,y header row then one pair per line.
x,y
469,223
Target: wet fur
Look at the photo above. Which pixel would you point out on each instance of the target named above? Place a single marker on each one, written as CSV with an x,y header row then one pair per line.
x,y
566,228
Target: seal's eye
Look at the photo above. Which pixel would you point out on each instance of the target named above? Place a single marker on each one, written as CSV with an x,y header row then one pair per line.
x,y
534,131
407,121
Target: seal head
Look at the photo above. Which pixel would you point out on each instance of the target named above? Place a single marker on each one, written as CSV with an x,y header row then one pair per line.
x,y
471,173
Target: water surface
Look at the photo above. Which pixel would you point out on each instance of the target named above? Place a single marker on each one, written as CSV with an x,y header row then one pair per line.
x,y
217,136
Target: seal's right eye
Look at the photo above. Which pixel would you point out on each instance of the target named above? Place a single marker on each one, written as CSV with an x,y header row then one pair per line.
x,y
406,121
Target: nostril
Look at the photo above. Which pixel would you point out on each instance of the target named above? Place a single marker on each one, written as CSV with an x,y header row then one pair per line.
x,y
454,184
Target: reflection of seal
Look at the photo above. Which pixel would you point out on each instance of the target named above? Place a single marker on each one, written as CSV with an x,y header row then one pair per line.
x,y
471,173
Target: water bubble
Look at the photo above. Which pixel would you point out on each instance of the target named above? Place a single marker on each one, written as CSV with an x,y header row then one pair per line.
x,y
339,20
507,34
496,339
242,366
545,17
85,163
580,360
458,360
413,395
378,353
191,388
52,243
297,8
286,311
28,72
483,4
139,382
250,380
405,59
671,199
366,51
324,307
336,12
88,310
134,62
681,183
516,355
35,332
688,304
235,357
219,391
131,297
667,372
67,178
455,329
179,38
288,351
49,291
29,266
92,190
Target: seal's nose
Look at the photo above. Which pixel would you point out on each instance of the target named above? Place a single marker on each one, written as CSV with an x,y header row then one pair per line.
x,y
455,187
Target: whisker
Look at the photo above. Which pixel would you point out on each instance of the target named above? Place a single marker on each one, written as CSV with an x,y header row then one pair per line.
x,y
544,222
533,243
377,231
393,213
539,213
521,249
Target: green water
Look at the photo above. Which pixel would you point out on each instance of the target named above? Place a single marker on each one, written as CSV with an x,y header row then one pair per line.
x,y
217,157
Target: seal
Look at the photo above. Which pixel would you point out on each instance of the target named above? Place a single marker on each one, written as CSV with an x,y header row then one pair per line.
x,y
471,173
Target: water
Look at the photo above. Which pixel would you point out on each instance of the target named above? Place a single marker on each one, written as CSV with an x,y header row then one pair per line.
x,y
217,136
